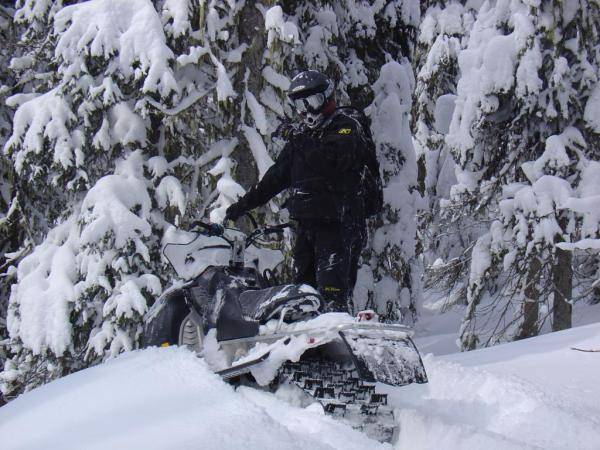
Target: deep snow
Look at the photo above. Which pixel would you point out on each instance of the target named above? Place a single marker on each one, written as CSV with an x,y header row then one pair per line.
x,y
162,399
532,394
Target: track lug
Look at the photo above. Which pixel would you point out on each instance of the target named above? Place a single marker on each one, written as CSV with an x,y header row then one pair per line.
x,y
379,399
300,376
347,396
325,392
312,383
335,409
369,410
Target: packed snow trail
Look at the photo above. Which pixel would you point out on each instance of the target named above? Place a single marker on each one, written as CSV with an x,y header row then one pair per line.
x,y
534,394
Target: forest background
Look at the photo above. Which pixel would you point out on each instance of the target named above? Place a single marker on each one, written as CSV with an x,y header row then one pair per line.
x,y
121,121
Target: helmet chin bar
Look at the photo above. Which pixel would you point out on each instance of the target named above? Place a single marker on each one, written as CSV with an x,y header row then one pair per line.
x,y
312,119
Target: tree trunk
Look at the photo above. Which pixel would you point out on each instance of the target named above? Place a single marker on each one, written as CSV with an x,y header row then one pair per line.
x,y
562,274
530,307
595,300
251,20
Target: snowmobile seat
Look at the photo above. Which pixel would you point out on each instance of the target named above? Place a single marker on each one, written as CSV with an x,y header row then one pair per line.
x,y
265,304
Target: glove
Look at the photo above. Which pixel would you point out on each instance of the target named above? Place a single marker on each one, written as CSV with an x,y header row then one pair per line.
x,y
234,212
285,131
215,229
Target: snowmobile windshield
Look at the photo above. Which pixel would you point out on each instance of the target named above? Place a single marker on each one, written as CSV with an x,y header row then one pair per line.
x,y
190,253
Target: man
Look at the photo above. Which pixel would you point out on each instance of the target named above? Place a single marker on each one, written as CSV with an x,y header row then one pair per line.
x,y
330,166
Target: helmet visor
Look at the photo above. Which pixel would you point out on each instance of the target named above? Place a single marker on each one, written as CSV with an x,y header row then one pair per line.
x,y
312,103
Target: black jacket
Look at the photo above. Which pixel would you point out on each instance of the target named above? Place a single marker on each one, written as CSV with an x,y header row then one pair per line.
x,y
324,167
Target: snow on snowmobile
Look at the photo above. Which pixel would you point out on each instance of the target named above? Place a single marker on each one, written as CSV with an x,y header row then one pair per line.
x,y
249,328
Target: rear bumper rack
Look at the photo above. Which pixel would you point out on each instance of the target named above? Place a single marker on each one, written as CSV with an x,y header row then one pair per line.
x,y
316,332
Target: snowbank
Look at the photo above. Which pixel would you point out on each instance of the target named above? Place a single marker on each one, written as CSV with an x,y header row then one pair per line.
x,y
164,399
532,394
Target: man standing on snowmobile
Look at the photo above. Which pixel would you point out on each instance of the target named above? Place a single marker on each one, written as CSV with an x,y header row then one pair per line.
x,y
330,166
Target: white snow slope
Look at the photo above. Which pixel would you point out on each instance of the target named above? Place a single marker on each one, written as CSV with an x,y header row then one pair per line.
x,y
533,394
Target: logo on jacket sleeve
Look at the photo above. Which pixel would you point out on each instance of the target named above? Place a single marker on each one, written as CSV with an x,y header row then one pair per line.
x,y
344,131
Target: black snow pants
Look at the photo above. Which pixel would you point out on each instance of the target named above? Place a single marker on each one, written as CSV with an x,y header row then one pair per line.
x,y
326,256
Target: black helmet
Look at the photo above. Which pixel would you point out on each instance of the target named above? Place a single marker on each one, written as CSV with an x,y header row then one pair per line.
x,y
309,92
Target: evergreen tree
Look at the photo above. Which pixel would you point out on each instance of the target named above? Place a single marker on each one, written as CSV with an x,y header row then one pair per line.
x,y
17,235
146,118
448,233
394,264
81,291
7,222
526,75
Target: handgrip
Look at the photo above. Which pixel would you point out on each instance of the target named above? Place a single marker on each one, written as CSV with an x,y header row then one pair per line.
x,y
210,229
277,228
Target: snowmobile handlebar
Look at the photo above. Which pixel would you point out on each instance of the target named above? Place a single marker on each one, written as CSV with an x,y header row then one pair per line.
x,y
272,229
210,229
215,229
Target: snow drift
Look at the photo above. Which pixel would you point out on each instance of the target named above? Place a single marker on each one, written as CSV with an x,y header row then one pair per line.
x,y
163,399
533,394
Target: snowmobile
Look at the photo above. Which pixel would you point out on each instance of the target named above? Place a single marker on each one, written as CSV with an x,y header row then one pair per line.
x,y
250,328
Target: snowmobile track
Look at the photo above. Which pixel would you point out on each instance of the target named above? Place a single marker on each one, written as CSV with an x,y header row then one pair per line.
x,y
343,395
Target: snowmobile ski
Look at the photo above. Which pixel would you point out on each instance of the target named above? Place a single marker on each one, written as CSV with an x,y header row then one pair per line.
x,y
241,369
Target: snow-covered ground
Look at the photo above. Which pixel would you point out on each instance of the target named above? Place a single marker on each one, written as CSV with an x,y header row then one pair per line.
x,y
437,330
163,399
532,394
